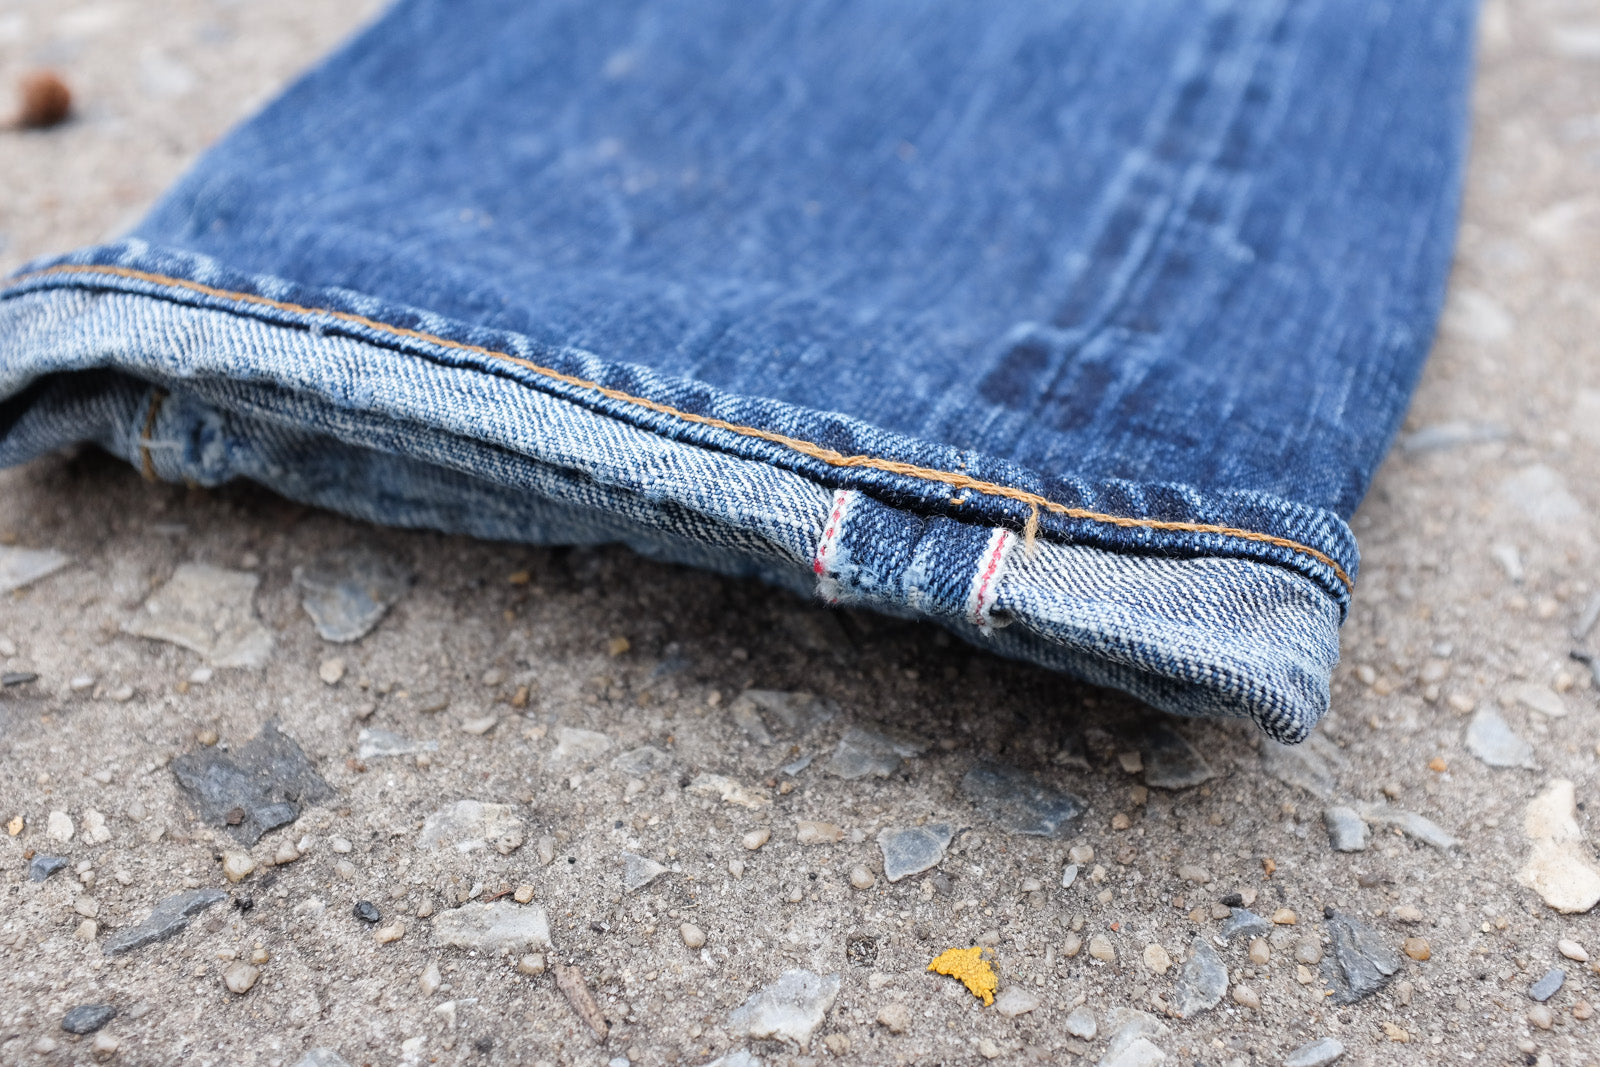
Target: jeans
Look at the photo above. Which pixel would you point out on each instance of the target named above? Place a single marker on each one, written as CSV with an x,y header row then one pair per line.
x,y
1076,327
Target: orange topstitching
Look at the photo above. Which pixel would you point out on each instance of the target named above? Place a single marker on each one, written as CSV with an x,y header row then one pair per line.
x,y
826,455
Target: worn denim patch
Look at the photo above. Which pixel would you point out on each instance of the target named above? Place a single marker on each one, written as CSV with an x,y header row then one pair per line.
x,y
1077,327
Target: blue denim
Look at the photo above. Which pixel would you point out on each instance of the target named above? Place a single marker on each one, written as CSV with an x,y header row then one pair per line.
x,y
1078,328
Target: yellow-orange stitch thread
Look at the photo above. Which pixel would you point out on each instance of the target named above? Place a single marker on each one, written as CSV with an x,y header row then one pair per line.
x,y
818,452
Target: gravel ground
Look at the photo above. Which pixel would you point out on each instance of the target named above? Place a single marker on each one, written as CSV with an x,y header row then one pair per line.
x,y
591,702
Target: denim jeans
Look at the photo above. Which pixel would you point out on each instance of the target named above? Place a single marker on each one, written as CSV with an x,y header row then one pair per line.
x,y
1076,327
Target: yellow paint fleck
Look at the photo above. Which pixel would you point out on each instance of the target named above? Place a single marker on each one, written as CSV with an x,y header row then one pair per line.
x,y
968,965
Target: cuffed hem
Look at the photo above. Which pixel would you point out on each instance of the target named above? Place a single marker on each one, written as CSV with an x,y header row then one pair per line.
x,y
191,382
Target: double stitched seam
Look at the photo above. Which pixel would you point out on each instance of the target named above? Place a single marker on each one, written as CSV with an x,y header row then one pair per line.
x,y
147,465
806,448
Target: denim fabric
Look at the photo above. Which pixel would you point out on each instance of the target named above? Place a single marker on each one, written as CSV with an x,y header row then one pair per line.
x,y
1078,328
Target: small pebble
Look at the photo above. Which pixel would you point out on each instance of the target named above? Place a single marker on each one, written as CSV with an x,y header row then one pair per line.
x,y
1120,821
1081,854
479,726
59,825
756,838
43,100
1260,952
1318,1053
87,1018
1417,948
523,895
1015,1001
1541,1016
532,963
1246,997
236,865
861,878
332,670
1407,914
1081,1023
339,844
1069,874
818,833
895,1018
1191,873
692,935
1100,948
1582,1010
1284,917
1072,946
1572,950
1308,951
366,911
1549,985
239,976
1156,959
431,979
385,934
104,1046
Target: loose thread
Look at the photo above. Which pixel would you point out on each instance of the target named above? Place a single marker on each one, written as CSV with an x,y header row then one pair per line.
x,y
1030,531
147,463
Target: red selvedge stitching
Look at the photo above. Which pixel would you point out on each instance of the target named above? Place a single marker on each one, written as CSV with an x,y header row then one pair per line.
x,y
979,615
840,498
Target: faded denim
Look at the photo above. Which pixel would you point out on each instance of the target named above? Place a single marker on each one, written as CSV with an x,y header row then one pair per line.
x,y
1079,328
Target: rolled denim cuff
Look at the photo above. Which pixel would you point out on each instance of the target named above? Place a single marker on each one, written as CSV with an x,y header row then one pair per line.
x,y
196,374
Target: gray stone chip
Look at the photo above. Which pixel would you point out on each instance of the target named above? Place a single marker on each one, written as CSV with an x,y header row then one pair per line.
x,y
1242,922
44,866
1171,762
348,592
1493,741
1018,802
87,1018
166,919
789,1009
1361,963
1318,1053
1549,985
259,786
913,849
1346,830
1203,982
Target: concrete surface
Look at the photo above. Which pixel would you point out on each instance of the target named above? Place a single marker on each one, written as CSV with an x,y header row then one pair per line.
x,y
1480,546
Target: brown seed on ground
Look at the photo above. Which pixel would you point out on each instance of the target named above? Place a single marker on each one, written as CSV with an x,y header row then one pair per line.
x,y
1417,948
45,100
570,981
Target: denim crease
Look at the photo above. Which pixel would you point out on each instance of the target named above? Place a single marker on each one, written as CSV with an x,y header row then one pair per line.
x,y
1077,330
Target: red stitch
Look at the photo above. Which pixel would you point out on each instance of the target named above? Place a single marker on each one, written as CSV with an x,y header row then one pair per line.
x,y
839,499
988,574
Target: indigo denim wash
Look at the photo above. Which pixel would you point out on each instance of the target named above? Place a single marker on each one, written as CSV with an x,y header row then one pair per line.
x,y
1076,327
